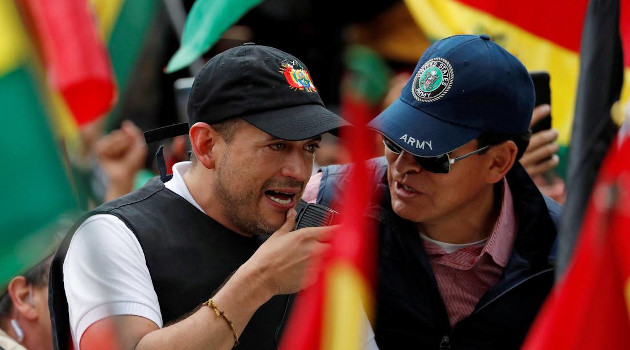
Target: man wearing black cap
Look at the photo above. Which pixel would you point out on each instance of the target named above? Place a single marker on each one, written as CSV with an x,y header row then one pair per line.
x,y
144,263
465,235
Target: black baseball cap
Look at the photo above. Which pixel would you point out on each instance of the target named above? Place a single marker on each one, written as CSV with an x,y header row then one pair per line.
x,y
267,87
462,86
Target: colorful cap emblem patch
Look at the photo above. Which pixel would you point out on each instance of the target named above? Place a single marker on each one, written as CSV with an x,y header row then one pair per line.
x,y
433,80
297,77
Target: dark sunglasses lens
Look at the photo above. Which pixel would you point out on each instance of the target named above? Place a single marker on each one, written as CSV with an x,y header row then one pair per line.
x,y
438,165
392,146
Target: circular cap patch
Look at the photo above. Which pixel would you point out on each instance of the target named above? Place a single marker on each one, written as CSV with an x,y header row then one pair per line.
x,y
433,80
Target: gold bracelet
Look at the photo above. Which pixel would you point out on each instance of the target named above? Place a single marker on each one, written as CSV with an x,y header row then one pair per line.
x,y
222,314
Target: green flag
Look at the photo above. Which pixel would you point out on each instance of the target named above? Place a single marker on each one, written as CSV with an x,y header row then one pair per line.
x,y
131,29
207,20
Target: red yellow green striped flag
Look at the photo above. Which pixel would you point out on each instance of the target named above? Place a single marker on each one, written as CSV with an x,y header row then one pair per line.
x,y
35,191
544,35
123,26
74,56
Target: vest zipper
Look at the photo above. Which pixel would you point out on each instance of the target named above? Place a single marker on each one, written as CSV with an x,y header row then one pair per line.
x,y
509,289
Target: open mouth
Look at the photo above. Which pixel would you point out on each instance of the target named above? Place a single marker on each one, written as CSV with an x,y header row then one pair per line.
x,y
406,188
283,198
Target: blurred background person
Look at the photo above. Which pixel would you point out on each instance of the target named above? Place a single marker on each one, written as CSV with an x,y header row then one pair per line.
x,y
541,158
121,156
24,315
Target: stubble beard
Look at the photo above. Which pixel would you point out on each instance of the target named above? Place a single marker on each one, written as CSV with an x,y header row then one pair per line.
x,y
240,209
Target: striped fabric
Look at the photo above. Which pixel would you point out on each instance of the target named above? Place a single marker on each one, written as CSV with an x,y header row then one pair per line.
x,y
465,275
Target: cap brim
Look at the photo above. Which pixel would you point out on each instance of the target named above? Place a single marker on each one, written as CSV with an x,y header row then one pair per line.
x,y
297,122
419,133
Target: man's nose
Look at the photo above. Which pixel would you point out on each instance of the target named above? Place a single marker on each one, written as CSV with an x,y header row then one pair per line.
x,y
406,163
297,166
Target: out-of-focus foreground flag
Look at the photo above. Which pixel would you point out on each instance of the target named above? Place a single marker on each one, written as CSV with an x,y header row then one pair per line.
x,y
75,58
590,307
331,314
543,34
35,191
600,85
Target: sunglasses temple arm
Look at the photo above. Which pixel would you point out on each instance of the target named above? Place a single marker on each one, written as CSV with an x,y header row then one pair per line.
x,y
451,161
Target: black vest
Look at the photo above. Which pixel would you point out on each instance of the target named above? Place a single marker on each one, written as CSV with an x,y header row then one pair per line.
x,y
189,256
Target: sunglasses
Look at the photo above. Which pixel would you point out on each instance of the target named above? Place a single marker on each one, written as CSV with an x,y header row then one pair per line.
x,y
439,165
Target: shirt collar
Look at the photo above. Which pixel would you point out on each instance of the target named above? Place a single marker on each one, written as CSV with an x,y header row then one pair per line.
x,y
178,185
501,241
498,246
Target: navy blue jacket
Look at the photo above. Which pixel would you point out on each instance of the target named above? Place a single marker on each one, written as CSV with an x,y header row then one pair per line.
x,y
410,312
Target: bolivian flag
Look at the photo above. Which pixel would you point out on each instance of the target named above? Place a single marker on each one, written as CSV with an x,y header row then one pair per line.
x,y
35,190
36,118
76,62
79,56
543,34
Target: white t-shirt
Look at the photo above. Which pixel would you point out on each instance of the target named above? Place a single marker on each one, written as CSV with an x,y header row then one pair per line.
x,y
105,272
451,247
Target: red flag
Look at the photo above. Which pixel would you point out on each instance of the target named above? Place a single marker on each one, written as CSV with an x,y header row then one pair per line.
x,y
330,314
589,308
624,29
74,56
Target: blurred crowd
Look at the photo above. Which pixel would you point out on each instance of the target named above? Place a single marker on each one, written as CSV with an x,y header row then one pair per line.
x,y
361,59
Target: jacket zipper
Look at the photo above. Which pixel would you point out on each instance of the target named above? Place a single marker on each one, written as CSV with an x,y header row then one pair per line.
x,y
445,343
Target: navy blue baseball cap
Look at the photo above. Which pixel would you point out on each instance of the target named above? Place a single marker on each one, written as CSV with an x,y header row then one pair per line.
x,y
462,86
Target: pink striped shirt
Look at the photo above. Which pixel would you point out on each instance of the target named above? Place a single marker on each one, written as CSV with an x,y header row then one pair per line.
x,y
464,275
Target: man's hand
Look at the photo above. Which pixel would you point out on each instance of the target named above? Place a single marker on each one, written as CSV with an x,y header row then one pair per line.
x,y
285,259
121,154
540,156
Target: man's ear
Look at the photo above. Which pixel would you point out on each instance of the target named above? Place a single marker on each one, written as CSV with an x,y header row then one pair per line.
x,y
21,295
203,140
502,158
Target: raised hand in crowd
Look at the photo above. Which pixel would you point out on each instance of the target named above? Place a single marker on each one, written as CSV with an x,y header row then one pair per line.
x,y
541,157
121,155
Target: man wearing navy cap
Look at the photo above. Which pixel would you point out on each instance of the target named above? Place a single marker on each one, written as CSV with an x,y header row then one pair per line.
x,y
465,235
180,263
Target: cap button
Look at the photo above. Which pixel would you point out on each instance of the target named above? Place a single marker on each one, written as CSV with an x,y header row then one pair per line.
x,y
249,43
484,37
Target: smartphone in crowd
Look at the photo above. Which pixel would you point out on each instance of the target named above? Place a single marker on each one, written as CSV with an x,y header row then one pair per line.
x,y
543,96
